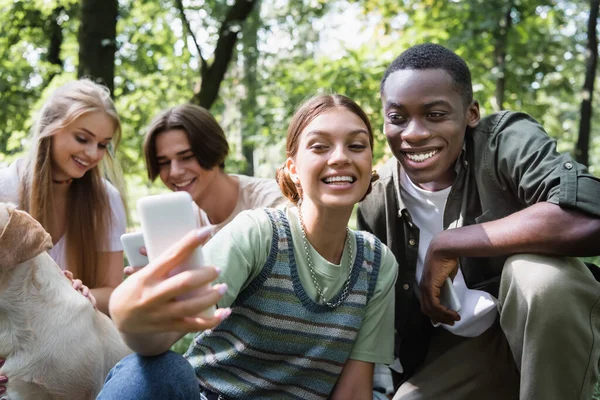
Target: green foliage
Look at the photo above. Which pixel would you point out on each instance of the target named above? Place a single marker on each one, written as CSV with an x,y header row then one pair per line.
x,y
153,72
24,69
157,65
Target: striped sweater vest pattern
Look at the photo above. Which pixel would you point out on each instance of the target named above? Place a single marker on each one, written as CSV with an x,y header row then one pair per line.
x,y
277,342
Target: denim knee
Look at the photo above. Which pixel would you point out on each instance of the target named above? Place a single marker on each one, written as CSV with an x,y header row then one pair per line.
x,y
166,376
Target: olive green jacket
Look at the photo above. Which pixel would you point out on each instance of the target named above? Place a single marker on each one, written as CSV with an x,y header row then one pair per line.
x,y
508,162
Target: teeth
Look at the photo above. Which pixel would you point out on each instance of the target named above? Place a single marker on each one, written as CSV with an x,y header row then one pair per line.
x,y
80,161
332,179
419,157
182,184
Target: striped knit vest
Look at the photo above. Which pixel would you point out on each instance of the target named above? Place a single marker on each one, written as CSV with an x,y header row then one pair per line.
x,y
278,343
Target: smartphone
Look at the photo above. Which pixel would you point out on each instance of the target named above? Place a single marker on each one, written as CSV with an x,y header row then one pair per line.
x,y
165,219
448,296
131,245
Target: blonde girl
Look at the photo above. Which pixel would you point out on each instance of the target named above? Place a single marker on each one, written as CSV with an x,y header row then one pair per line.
x,y
68,182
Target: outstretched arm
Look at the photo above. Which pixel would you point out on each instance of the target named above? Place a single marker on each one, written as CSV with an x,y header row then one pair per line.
x,y
543,228
144,308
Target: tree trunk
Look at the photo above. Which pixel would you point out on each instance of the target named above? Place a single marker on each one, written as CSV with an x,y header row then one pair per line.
x,y
213,75
582,147
56,40
500,57
248,105
97,40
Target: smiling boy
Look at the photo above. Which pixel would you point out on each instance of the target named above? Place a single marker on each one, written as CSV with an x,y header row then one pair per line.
x,y
492,204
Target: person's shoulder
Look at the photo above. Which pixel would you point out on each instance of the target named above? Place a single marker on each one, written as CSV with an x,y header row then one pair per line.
x,y
380,188
111,190
260,192
256,183
386,171
387,260
386,175
114,196
247,226
507,133
369,240
254,217
498,122
116,203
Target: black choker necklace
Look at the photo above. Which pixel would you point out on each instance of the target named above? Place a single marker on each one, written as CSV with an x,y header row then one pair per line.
x,y
66,182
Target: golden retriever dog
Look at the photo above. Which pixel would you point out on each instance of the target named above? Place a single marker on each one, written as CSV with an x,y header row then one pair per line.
x,y
56,345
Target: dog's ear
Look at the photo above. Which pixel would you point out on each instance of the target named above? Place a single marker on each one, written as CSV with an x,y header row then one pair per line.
x,y
21,238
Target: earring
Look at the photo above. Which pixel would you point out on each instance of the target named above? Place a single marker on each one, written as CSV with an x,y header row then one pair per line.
x,y
299,192
374,175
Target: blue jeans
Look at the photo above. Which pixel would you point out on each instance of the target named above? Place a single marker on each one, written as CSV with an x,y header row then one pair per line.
x,y
166,376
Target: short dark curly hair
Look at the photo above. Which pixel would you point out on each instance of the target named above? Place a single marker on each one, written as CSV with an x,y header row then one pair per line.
x,y
434,56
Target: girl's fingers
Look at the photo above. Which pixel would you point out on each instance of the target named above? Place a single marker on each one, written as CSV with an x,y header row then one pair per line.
x,y
129,270
77,284
196,305
196,324
68,274
185,282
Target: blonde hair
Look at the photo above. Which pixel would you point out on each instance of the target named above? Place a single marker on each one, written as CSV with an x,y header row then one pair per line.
x,y
87,200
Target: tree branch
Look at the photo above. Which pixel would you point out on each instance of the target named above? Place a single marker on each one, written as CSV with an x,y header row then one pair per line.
x,y
181,8
228,35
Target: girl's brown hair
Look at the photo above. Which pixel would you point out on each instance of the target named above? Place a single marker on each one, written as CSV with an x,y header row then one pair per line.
x,y
303,116
88,223
206,137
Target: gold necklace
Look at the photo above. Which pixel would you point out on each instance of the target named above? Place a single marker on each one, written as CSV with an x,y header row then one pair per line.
x,y
311,269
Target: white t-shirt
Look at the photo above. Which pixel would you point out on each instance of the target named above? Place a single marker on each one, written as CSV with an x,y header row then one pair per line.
x,y
253,193
426,208
9,193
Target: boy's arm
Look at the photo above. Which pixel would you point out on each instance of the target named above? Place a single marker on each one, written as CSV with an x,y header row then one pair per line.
x,y
355,382
544,228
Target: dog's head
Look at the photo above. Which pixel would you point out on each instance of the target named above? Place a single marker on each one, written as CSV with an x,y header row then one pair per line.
x,y
21,237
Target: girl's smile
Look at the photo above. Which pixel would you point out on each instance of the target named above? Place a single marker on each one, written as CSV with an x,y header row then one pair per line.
x,y
333,162
81,145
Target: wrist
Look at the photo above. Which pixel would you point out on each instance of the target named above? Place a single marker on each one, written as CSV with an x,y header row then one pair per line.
x,y
442,245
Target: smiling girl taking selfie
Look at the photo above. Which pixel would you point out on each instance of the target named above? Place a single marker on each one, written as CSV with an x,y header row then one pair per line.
x,y
307,303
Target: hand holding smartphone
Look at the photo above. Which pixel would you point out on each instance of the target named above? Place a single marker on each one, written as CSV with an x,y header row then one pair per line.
x,y
165,219
132,242
448,296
